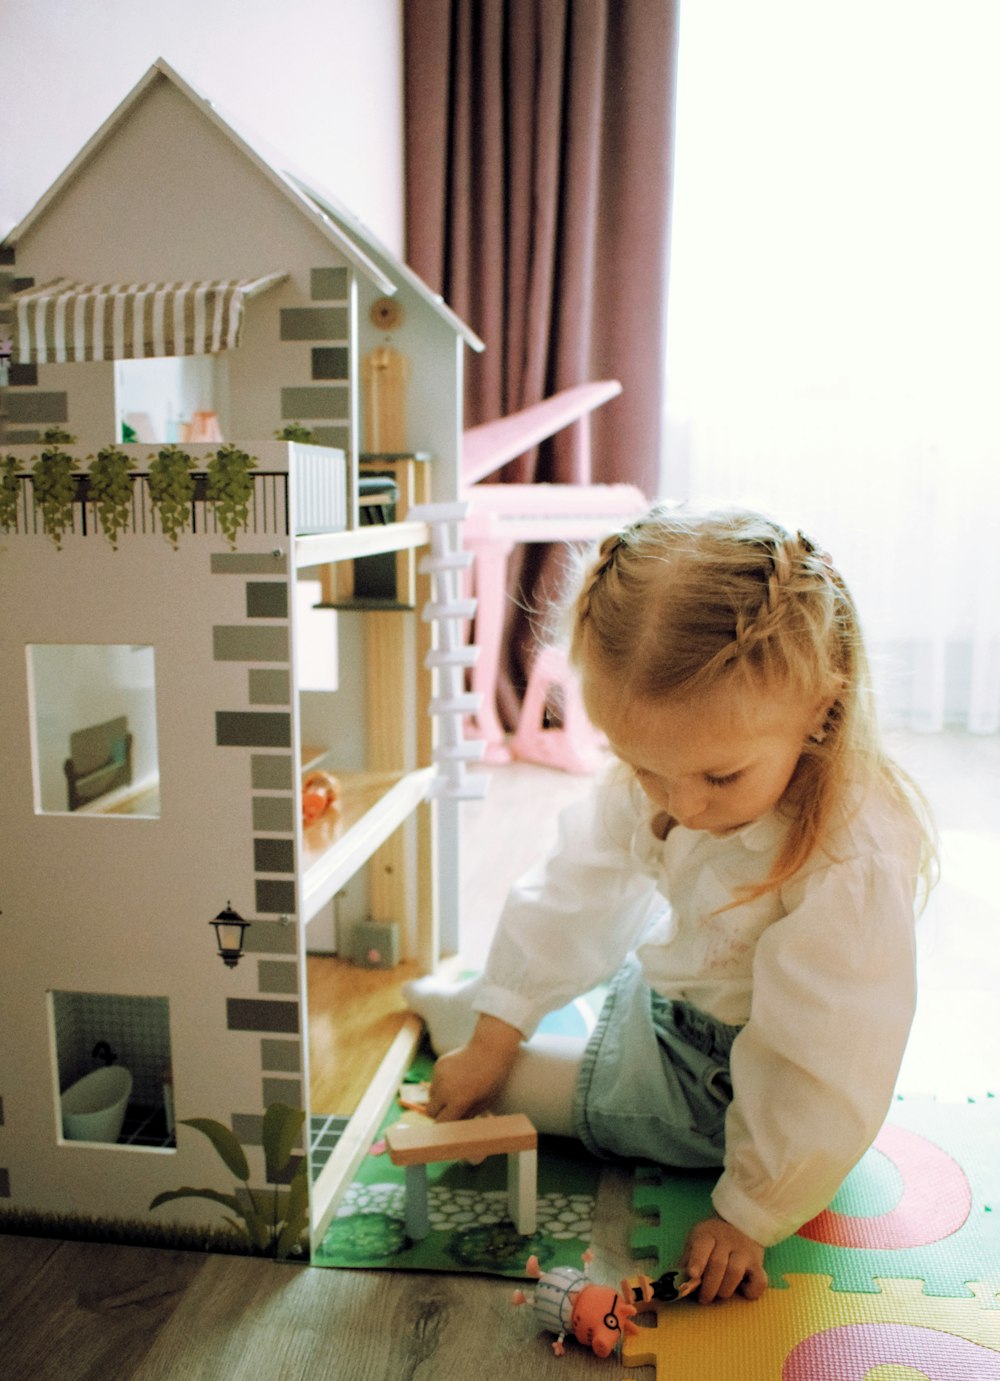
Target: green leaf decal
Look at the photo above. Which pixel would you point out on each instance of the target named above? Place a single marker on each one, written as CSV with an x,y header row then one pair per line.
x,y
225,1142
281,1129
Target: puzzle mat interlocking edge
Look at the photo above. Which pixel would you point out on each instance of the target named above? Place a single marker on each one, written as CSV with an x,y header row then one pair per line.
x,y
900,1276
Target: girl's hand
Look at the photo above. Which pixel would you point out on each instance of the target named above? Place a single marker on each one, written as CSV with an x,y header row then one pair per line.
x,y
467,1080
723,1260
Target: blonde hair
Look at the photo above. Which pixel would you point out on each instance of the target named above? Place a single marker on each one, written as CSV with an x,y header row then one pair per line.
x,y
676,603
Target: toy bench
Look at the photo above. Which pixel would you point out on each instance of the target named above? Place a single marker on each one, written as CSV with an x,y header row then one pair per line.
x,y
416,1147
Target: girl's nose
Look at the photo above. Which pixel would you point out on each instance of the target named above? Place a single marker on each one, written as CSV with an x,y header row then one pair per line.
x,y
686,802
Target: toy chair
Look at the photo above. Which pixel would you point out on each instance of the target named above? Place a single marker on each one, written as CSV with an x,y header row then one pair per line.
x,y
100,760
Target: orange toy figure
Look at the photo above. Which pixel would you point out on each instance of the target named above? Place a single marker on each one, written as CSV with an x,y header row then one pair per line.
x,y
320,794
567,1302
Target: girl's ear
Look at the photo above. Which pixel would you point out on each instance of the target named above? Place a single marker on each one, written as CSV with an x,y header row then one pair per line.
x,y
821,720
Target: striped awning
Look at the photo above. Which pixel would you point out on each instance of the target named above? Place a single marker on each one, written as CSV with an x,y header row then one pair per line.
x,y
63,321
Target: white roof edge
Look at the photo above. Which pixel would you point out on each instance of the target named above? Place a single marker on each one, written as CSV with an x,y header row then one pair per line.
x,y
434,300
283,181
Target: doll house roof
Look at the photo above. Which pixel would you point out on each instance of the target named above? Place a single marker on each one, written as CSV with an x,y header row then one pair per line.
x,y
344,232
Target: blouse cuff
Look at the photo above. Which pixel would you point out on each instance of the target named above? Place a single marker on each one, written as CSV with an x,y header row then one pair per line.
x,y
735,1207
508,1006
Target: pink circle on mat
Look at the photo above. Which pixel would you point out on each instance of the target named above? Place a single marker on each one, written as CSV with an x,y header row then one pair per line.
x,y
849,1352
935,1202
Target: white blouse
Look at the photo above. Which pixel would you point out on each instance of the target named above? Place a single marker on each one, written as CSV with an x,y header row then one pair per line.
x,y
821,975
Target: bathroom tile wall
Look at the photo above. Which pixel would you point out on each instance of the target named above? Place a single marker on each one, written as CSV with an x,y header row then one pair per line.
x,y
136,1028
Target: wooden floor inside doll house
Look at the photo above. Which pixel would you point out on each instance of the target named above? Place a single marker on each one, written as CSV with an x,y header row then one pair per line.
x,y
355,1013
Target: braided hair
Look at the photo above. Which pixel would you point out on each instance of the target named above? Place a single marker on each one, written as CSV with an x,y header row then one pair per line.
x,y
675,604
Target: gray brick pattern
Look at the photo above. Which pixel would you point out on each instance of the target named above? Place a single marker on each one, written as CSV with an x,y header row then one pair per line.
x,y
262,1014
28,410
272,780
328,285
324,407
314,323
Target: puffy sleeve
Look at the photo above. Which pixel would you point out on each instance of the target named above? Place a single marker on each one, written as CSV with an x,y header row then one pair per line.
x,y
568,924
814,1069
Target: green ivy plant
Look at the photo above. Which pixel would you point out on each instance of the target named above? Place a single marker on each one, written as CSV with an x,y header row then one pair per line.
x,y
111,491
9,492
272,1228
294,431
57,436
54,481
230,489
171,488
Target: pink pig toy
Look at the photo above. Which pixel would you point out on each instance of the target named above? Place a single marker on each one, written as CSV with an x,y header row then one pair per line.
x,y
566,1301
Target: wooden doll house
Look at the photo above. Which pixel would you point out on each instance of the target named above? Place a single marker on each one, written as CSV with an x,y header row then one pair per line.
x,y
163,691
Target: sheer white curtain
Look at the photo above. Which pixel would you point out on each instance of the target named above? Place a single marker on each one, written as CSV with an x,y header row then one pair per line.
x,y
834,331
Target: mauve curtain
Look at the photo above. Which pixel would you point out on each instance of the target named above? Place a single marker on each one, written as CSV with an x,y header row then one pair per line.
x,y
539,149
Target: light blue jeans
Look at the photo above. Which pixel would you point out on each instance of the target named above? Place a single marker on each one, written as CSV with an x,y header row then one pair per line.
x,y
655,1079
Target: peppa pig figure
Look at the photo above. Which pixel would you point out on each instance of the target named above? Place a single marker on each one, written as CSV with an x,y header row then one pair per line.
x,y
567,1301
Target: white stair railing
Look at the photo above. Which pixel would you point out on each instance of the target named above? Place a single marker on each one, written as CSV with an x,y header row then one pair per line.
x,y
450,656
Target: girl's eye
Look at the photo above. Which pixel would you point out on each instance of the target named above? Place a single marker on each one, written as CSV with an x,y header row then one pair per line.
x,y
722,781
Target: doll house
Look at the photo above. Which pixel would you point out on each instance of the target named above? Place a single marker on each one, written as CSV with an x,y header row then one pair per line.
x,y
166,682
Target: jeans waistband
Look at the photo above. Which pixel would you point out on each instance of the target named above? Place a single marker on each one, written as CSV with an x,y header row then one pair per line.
x,y
696,1028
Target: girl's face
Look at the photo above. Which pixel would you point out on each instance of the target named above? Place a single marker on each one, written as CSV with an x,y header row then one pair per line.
x,y
715,761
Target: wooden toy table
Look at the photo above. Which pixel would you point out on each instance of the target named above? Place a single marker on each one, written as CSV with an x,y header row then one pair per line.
x,y
416,1147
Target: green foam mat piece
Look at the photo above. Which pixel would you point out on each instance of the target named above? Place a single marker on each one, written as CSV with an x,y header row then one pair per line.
x,y
923,1204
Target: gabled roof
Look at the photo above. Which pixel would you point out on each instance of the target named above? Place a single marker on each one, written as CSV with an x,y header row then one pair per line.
x,y
344,218
346,233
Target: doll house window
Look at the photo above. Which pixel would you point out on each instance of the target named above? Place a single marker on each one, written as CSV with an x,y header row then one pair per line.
x,y
171,399
93,726
113,1065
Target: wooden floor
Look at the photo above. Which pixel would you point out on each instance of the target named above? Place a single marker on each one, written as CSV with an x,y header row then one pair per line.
x,y
87,1312
354,1016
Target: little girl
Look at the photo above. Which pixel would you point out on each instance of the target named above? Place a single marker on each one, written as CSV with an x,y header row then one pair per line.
x,y
744,873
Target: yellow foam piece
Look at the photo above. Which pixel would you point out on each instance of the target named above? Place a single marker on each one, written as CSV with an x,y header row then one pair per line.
x,y
740,1340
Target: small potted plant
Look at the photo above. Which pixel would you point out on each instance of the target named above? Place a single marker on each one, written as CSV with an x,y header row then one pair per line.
x,y
171,488
111,487
53,478
10,489
294,431
229,489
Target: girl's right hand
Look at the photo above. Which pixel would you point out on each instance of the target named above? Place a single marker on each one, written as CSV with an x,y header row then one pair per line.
x,y
467,1080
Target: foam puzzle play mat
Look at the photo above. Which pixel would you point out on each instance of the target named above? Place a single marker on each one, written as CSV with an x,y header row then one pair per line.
x,y
898,1280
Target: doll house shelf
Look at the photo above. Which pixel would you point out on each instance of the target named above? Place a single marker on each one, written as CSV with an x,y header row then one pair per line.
x,y
235,664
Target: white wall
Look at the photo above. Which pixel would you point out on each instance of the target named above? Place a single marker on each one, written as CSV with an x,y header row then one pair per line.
x,y
321,80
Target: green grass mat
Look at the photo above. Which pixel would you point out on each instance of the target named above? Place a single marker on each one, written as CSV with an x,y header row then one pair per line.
x,y
470,1226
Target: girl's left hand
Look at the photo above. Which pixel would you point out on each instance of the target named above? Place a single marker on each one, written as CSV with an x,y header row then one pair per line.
x,y
723,1260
